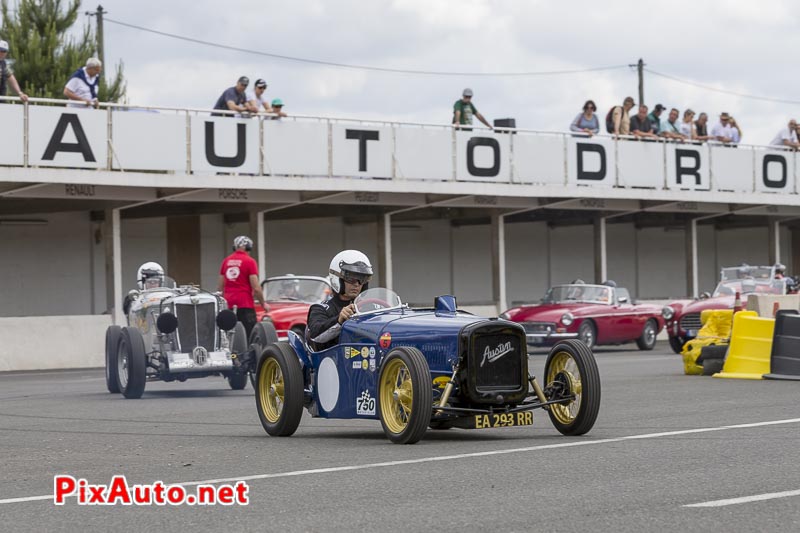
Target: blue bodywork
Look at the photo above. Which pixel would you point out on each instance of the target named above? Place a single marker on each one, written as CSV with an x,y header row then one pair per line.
x,y
363,346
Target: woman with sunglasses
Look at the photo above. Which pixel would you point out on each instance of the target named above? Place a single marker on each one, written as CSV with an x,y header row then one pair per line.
x,y
586,122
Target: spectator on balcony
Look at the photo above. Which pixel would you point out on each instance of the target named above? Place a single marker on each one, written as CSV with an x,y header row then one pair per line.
x,y
618,119
586,122
256,101
7,74
641,127
655,118
736,131
82,85
688,128
701,128
722,130
464,110
671,128
277,109
787,137
233,99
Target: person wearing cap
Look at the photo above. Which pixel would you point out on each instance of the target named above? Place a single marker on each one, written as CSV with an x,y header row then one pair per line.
x,y
464,110
787,136
671,127
81,88
256,101
7,74
233,99
722,130
277,109
655,118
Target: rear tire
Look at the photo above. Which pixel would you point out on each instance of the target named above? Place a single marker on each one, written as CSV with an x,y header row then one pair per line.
x,y
112,345
131,363
571,369
238,380
279,390
405,396
648,339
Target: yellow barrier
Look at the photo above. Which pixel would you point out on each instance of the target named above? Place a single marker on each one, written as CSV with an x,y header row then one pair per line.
x,y
750,348
716,330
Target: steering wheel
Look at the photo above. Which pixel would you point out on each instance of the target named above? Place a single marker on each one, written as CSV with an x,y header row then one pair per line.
x,y
375,301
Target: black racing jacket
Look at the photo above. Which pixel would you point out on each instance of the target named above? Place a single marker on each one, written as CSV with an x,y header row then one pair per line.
x,y
323,322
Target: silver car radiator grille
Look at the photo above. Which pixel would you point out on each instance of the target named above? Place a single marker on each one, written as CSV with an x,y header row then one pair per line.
x,y
691,321
196,326
539,327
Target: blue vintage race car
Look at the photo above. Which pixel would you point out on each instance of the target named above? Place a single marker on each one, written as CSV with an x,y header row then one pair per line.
x,y
415,368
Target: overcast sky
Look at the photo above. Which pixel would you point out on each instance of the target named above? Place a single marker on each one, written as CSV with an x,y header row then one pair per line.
x,y
743,46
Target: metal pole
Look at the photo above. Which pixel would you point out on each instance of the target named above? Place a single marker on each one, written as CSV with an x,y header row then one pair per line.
x,y
387,250
261,239
640,69
116,246
100,51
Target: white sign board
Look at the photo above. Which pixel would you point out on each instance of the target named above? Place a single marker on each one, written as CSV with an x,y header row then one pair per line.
x,y
225,144
295,148
363,151
538,159
591,162
732,169
483,156
640,164
148,141
68,137
688,167
12,135
435,144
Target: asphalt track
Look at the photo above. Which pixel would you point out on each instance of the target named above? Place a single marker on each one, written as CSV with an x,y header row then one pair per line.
x,y
664,443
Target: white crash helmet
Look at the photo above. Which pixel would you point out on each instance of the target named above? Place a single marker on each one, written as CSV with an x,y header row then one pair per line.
x,y
150,275
243,241
350,262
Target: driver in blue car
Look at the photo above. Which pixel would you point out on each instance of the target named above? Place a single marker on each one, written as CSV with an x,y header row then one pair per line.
x,y
350,273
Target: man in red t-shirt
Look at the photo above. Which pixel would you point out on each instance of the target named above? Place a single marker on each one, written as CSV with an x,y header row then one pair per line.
x,y
238,282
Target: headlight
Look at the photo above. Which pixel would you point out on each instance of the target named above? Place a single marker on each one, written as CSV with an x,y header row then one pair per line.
x,y
567,319
667,312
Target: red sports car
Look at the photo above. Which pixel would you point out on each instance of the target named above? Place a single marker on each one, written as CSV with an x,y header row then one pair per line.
x,y
289,298
595,314
683,316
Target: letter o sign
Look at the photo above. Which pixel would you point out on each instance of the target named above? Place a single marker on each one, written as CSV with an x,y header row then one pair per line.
x,y
492,171
765,176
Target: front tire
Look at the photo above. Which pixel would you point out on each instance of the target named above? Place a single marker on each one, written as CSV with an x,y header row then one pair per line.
x,y
571,370
238,380
648,339
112,345
279,390
131,363
587,334
676,343
405,396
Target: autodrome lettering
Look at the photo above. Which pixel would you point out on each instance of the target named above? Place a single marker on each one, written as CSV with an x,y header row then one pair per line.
x,y
492,355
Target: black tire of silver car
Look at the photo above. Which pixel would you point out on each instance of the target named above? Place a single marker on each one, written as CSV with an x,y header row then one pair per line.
x,y
421,398
676,343
648,339
238,380
587,334
112,345
293,386
263,335
441,424
131,363
589,407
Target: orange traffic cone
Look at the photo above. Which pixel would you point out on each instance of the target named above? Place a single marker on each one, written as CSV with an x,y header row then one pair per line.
x,y
737,303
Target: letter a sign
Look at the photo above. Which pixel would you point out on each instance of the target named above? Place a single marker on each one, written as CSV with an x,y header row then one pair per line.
x,y
67,137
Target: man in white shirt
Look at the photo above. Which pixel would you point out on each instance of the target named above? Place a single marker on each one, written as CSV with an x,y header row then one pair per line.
x,y
256,101
787,136
722,131
82,86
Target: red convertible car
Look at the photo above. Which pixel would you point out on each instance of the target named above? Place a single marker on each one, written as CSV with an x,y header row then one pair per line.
x,y
595,314
289,298
683,316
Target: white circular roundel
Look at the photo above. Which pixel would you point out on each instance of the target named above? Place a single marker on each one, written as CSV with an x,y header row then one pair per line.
x,y
328,384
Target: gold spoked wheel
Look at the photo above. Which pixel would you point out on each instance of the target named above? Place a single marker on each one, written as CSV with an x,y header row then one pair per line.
x,y
271,387
397,393
405,395
564,371
571,372
279,390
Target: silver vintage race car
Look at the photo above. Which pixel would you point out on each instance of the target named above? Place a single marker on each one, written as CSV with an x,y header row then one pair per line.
x,y
175,333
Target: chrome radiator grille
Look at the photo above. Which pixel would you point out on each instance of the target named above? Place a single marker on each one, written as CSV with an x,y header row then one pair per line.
x,y
691,321
196,326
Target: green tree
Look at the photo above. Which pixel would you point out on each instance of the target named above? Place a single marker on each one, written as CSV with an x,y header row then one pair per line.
x,y
45,54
